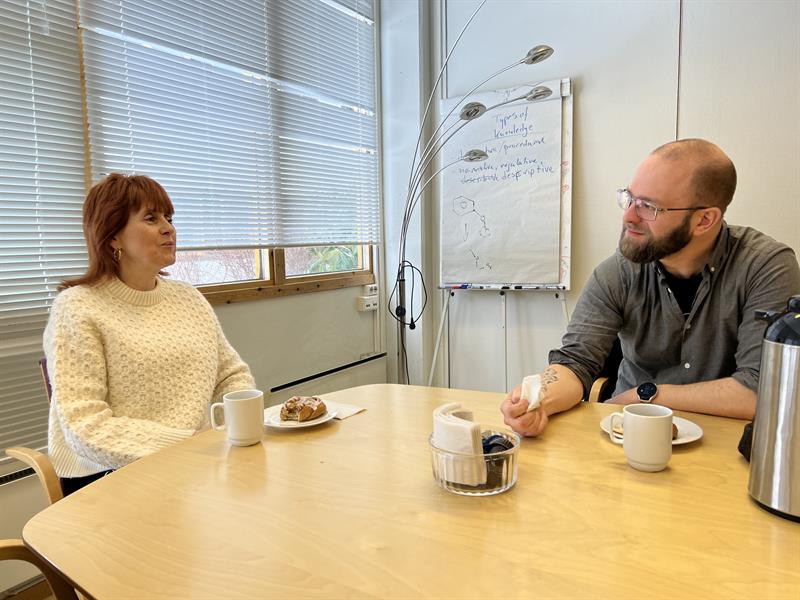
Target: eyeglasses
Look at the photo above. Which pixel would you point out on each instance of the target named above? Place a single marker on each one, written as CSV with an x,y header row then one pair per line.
x,y
644,209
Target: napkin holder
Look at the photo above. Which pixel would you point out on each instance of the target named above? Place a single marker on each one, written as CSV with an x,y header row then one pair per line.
x,y
458,459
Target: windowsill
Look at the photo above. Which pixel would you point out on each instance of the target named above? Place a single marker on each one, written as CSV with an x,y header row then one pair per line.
x,y
261,289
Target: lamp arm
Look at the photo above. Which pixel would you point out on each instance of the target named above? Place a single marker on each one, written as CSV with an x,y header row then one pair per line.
x,y
431,148
432,152
412,203
457,104
517,99
415,200
505,102
436,85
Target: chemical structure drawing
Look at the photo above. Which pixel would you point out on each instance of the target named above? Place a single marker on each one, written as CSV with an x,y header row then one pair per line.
x,y
470,218
477,259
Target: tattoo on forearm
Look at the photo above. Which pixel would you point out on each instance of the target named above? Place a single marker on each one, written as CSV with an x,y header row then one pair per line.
x,y
548,376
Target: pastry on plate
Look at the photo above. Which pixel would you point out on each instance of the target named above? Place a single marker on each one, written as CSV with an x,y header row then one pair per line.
x,y
302,408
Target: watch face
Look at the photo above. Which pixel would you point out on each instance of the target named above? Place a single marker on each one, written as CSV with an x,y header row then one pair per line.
x,y
646,391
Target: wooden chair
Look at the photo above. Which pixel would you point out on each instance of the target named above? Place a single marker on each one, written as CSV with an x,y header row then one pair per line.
x,y
37,461
42,467
601,390
17,550
603,387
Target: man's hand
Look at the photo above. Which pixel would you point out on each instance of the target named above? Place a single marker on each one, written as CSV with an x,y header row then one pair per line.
x,y
516,415
561,390
628,397
725,397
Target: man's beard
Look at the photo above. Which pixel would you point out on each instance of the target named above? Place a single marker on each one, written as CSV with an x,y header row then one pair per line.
x,y
650,250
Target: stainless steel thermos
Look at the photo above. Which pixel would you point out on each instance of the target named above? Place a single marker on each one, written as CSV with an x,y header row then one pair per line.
x,y
775,451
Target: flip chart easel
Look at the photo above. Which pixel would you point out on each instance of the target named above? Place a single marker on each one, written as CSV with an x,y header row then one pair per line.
x,y
505,222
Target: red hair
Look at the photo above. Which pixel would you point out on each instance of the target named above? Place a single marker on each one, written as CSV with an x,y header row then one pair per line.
x,y
108,206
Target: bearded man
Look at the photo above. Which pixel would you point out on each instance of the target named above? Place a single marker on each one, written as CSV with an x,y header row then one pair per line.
x,y
680,294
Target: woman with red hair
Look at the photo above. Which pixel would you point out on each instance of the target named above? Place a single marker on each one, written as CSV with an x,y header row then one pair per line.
x,y
134,359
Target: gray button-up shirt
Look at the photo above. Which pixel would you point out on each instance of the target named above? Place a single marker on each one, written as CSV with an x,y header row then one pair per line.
x,y
746,271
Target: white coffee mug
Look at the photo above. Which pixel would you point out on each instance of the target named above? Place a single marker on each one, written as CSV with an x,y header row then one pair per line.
x,y
244,416
646,435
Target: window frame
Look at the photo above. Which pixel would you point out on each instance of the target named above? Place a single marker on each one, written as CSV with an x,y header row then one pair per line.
x,y
279,285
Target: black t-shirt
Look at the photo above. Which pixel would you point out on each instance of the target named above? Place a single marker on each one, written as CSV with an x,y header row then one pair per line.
x,y
684,290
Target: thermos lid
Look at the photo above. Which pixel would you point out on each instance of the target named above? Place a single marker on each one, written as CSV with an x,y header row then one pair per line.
x,y
784,327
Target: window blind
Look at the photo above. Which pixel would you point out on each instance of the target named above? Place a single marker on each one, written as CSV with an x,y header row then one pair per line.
x,y
41,195
257,116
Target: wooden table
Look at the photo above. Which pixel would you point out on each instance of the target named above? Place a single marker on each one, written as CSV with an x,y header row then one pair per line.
x,y
350,509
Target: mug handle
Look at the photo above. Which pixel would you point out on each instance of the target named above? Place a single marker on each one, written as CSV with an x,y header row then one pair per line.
x,y
613,437
214,425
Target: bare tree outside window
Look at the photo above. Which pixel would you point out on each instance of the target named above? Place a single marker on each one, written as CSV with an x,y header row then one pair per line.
x,y
205,267
210,267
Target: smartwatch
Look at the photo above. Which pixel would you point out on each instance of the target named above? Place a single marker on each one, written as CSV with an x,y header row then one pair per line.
x,y
647,391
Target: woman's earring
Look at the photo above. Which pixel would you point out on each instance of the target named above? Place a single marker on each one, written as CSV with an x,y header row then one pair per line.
x,y
117,254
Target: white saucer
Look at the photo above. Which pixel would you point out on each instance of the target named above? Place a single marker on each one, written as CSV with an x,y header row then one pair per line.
x,y
272,418
687,431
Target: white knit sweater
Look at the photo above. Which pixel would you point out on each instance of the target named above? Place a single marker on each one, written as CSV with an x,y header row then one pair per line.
x,y
132,372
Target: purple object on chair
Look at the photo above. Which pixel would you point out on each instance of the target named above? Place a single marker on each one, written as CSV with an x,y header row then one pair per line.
x,y
46,378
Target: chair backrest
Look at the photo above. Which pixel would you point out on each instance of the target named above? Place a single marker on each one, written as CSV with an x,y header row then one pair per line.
x,y
611,368
41,465
37,461
606,382
46,378
43,469
17,550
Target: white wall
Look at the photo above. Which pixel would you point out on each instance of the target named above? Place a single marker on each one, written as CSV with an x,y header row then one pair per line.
x,y
738,85
741,88
286,339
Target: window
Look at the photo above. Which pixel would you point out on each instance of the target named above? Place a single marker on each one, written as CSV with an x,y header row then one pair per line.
x,y
324,259
41,195
208,267
258,116
204,267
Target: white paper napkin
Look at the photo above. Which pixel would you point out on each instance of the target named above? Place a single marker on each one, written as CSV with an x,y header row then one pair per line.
x,y
343,410
454,431
531,391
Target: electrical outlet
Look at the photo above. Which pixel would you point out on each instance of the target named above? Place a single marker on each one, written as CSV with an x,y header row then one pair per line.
x,y
367,303
371,289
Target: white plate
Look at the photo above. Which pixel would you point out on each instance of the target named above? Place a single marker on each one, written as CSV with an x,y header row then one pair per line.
x,y
272,418
687,431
